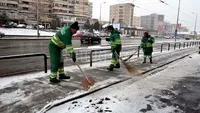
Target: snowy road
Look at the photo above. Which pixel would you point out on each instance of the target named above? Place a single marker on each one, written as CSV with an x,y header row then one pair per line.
x,y
174,90
30,93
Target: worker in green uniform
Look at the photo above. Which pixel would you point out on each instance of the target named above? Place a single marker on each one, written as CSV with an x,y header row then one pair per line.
x,y
61,40
116,45
147,46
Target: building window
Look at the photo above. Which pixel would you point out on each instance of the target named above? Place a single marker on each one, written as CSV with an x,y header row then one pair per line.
x,y
120,16
71,6
120,6
65,6
25,8
120,12
23,2
70,11
120,20
77,2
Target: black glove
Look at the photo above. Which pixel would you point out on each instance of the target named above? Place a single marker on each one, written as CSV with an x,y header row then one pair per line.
x,y
107,39
73,56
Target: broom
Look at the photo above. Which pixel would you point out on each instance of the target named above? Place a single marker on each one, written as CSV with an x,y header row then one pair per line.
x,y
87,81
129,68
130,56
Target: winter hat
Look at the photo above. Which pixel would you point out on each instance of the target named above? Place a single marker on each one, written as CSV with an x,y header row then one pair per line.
x,y
75,26
146,33
110,27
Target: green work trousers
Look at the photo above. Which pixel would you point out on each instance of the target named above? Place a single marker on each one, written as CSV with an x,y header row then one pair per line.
x,y
56,60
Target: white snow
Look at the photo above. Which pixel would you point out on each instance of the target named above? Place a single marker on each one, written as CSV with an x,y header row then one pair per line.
x,y
25,32
9,80
128,97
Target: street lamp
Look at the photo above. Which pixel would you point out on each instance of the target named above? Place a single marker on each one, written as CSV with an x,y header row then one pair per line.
x,y
195,24
177,20
100,17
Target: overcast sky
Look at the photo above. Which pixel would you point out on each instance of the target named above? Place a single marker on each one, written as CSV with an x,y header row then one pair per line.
x,y
154,6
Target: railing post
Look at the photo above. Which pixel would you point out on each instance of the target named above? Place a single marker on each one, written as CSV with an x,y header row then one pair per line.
x,y
179,45
184,45
45,63
169,46
91,58
187,44
199,50
138,51
161,48
175,46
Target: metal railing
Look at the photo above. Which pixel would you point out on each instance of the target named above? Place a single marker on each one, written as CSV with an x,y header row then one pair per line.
x,y
91,53
189,44
176,44
25,56
161,48
95,51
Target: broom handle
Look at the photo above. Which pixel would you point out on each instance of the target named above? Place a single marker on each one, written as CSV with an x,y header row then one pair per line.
x,y
81,70
130,56
48,57
119,58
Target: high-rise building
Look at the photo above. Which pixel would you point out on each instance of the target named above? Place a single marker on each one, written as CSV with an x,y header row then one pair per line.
x,y
72,10
122,13
68,11
152,22
136,21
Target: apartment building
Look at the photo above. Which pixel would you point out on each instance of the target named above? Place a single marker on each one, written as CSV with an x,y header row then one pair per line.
x,y
136,21
122,13
68,11
72,10
152,22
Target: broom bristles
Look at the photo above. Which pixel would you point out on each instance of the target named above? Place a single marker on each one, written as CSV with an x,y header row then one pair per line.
x,y
132,70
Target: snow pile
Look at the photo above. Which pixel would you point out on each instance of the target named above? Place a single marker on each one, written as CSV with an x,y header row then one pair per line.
x,y
25,32
134,97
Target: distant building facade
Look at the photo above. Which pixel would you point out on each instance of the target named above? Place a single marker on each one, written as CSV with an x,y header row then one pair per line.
x,y
152,22
122,13
68,11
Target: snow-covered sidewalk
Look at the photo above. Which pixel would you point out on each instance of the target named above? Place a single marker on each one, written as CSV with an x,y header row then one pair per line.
x,y
30,93
162,92
24,32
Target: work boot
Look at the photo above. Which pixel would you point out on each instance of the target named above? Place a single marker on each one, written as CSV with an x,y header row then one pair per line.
x,y
54,80
151,60
144,61
63,76
117,66
110,68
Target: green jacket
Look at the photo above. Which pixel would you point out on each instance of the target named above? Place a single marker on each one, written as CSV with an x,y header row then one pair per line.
x,y
63,39
147,43
115,40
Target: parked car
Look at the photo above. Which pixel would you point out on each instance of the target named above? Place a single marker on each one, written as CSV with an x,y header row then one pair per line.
x,y
90,38
2,34
29,27
41,26
21,26
187,38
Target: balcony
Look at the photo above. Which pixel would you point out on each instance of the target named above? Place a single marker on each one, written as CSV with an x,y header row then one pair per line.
x,y
26,5
11,2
